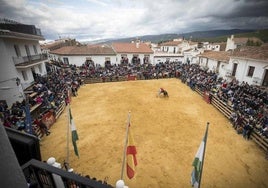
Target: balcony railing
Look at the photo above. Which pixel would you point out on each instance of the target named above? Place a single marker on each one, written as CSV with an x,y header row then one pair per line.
x,y
48,176
29,59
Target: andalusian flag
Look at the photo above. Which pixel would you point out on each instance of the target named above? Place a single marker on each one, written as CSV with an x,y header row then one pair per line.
x,y
74,133
198,162
131,156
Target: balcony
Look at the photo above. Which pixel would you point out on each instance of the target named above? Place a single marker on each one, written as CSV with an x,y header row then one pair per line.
x,y
51,177
28,61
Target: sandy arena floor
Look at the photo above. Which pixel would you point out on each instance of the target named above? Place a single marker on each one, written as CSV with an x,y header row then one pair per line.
x,y
167,133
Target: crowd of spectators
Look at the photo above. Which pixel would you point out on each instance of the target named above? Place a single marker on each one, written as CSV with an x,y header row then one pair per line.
x,y
248,102
113,72
47,94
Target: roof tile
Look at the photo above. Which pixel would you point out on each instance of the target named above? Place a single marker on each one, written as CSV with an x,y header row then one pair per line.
x,y
132,48
85,50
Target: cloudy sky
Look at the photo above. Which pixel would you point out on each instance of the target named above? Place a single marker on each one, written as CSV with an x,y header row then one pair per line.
x,y
99,19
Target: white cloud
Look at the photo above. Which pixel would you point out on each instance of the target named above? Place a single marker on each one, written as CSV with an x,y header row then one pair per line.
x,y
102,3
91,19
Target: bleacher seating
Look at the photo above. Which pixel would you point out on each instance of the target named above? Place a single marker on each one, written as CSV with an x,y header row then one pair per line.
x,y
226,110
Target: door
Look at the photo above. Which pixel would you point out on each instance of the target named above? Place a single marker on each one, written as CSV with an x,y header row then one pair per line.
x,y
234,69
265,79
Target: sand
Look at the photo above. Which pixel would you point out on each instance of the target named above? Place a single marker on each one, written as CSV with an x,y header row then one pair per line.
x,y
167,134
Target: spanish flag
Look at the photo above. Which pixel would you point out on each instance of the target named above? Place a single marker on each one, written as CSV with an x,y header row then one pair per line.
x,y
131,156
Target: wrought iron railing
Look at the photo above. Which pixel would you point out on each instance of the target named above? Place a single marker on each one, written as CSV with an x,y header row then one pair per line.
x,y
29,59
44,175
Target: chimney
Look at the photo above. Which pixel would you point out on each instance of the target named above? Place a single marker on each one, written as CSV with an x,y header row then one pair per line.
x,y
137,43
232,37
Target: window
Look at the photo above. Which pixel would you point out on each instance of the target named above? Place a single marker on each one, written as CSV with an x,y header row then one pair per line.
x,y
27,50
35,50
251,71
40,69
17,50
65,60
24,75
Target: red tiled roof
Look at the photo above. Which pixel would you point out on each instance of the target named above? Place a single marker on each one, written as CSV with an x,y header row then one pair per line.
x,y
52,45
84,50
252,52
216,55
131,48
171,43
193,43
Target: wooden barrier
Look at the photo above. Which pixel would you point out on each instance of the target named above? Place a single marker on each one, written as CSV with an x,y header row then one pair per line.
x,y
261,141
221,106
199,92
35,107
227,110
60,109
100,80
37,131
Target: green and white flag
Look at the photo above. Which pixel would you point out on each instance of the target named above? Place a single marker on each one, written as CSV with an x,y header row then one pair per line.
x,y
198,162
74,133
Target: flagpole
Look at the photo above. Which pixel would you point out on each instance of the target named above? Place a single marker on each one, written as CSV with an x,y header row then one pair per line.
x,y
125,148
68,133
203,157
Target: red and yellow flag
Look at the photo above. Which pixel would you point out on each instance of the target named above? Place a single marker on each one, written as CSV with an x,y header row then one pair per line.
x,y
131,156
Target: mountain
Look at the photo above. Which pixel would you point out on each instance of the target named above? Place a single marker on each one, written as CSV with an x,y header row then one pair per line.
x,y
210,36
213,33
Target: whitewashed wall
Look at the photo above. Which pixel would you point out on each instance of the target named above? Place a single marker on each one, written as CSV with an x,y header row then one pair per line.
x,y
158,59
170,49
192,55
230,45
130,56
243,67
9,90
80,60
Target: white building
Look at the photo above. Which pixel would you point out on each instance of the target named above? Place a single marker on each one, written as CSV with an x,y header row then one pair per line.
x,y
213,46
191,56
215,61
78,55
250,65
21,58
175,51
160,57
46,48
134,52
177,46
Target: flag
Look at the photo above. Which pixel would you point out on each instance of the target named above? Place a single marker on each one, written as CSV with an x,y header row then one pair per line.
x,y
74,133
28,119
198,162
131,156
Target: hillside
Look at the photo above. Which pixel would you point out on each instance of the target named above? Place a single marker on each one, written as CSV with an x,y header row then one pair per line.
x,y
261,34
198,36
